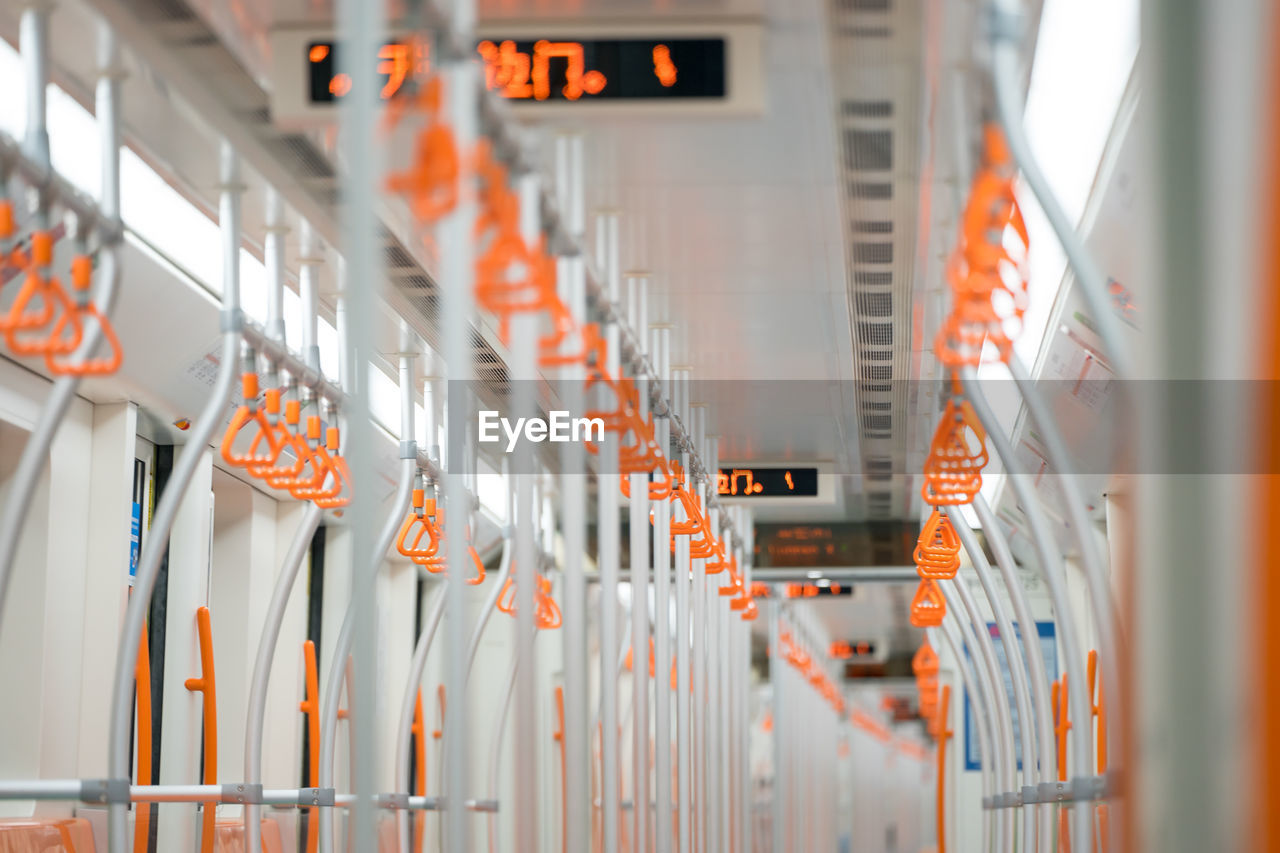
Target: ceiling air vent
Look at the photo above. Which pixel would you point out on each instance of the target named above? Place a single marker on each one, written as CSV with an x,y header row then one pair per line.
x,y
875,304
871,190
873,253
876,334
877,422
869,149
877,372
867,109
877,355
873,278
873,226
302,155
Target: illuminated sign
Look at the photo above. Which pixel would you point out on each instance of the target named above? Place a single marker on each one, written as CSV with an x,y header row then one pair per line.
x,y
546,69
816,590
810,546
848,651
659,66
767,482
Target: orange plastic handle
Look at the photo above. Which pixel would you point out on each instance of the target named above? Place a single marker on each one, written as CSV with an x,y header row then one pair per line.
x,y
246,416
1099,710
142,685
1061,725
430,184
310,706
55,303
440,700
91,366
558,736
928,607
420,771
206,685
943,734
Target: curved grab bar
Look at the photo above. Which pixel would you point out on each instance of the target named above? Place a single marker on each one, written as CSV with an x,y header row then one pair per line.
x,y
259,681
1042,705
1051,568
1014,660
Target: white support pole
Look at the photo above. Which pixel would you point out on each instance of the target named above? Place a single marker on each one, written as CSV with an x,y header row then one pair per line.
x,y
608,556
457,274
639,546
663,825
524,356
573,493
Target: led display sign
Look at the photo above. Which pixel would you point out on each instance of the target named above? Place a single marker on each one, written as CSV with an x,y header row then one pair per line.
x,y
551,70
767,482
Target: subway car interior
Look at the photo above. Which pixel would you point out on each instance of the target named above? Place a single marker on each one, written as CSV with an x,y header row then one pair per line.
x,y
384,382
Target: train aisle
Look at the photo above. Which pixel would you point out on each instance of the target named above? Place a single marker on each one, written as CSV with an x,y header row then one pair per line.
x,y
614,426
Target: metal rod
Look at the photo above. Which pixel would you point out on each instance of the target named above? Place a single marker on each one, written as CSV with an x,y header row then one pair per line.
x,y
663,827
608,558
1016,663
1006,79
976,692
457,280
639,542
404,731
524,357
684,733
1095,568
1006,772
363,578
256,719
1055,579
210,419
1039,680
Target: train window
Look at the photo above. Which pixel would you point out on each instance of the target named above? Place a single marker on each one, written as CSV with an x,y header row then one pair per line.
x,y
384,400
327,341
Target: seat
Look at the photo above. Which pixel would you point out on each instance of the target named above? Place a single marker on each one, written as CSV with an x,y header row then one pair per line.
x,y
228,837
46,835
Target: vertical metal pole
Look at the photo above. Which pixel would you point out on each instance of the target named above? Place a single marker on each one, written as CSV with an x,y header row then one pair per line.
x,y
639,541
1054,572
1017,666
746,813
607,560
457,273
211,418
976,691
990,702
577,748
273,253
660,351
363,25
698,674
684,734
524,356
33,39
777,667
1038,677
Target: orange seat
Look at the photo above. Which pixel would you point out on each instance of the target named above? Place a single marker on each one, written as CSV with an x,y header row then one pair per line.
x,y
46,835
228,837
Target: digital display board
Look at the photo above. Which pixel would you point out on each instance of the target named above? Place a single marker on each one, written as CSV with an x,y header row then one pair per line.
x,y
767,482
548,70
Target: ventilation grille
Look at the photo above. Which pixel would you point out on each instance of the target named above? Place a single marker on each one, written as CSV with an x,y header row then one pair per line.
x,y
302,155
878,58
